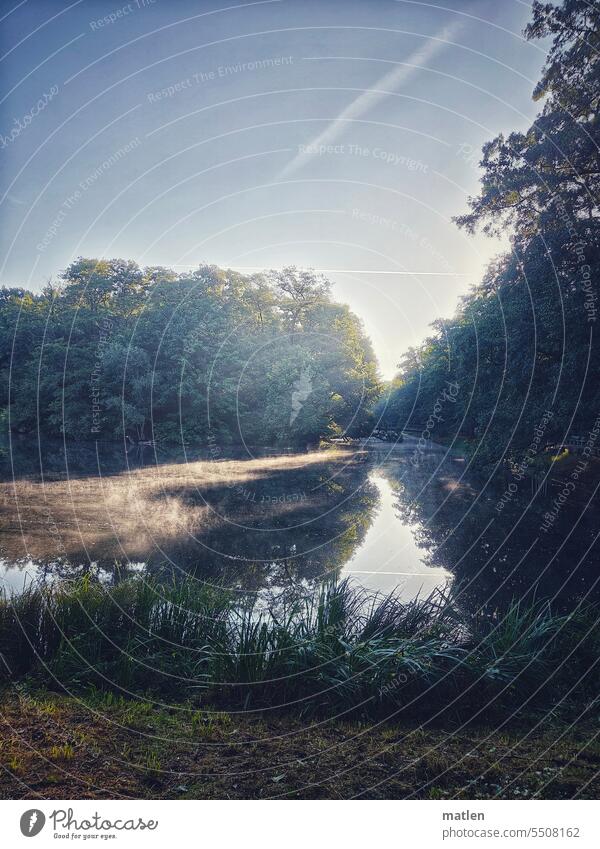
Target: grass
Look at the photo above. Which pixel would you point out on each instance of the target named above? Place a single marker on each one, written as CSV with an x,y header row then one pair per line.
x,y
339,650
178,752
66,752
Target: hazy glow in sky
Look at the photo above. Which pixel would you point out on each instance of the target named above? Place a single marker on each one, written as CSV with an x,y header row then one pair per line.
x,y
334,134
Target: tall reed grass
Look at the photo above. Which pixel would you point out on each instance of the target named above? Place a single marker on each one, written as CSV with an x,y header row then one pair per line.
x,y
339,649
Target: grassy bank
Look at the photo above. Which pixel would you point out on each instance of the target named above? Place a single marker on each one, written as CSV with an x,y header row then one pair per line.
x,y
98,745
338,651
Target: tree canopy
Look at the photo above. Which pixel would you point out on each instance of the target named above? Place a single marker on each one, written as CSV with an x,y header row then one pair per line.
x,y
523,341
113,350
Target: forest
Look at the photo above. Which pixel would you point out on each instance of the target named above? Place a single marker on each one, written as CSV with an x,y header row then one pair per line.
x,y
520,353
391,616
111,351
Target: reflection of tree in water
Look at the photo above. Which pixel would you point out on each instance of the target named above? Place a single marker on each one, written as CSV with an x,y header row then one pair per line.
x,y
298,527
251,524
498,555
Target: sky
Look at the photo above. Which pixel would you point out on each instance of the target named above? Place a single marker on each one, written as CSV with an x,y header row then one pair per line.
x,y
340,135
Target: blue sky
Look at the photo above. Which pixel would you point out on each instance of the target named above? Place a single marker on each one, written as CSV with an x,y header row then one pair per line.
x,y
339,135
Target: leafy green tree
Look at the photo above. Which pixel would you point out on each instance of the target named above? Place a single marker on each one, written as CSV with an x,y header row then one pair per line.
x,y
114,351
524,341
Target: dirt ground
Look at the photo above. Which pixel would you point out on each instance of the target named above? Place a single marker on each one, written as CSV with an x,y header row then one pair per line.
x,y
55,746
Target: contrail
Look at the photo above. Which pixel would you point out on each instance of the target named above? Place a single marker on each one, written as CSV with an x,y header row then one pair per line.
x,y
402,273
386,84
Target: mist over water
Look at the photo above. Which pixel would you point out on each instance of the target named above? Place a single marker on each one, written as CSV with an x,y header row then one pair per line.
x,y
389,518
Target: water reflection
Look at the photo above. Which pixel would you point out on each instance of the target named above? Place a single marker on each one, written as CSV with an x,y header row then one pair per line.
x,y
252,523
390,557
498,549
275,520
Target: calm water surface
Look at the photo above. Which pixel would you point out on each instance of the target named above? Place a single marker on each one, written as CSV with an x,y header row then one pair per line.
x,y
391,519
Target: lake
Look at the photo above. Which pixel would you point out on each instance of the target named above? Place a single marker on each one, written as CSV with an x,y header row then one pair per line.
x,y
391,518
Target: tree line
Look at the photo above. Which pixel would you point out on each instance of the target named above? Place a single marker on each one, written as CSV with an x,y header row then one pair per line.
x,y
522,351
111,350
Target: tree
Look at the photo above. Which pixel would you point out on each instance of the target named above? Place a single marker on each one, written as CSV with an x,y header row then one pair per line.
x,y
115,350
522,342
